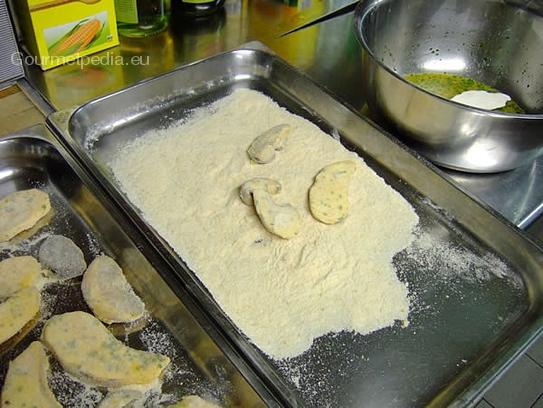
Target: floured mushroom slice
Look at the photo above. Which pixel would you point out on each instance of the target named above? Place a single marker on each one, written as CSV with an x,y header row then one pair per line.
x,y
193,401
87,350
17,311
270,186
281,220
108,293
329,194
26,382
62,256
21,210
262,149
120,398
17,273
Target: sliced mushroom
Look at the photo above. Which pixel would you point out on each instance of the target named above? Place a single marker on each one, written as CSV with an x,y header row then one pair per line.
x,y
26,383
18,312
18,273
329,194
109,295
21,210
193,401
120,398
273,187
87,350
62,256
281,220
263,148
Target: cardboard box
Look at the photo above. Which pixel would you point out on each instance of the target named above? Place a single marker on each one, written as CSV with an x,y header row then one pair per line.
x,y
55,32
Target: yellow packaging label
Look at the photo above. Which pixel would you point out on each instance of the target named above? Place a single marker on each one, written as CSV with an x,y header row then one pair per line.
x,y
63,31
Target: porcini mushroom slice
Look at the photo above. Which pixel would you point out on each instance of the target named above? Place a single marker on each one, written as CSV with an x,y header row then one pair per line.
x,y
61,255
86,349
120,398
17,273
108,293
26,382
193,401
273,187
21,210
18,310
329,194
281,220
262,149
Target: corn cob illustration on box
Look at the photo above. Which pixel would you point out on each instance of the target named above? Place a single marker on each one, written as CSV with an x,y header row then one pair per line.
x,y
56,32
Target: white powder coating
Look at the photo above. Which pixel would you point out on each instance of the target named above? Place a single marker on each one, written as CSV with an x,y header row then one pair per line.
x,y
282,294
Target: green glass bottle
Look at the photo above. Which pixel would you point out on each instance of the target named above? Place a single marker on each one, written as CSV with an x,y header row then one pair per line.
x,y
197,8
141,18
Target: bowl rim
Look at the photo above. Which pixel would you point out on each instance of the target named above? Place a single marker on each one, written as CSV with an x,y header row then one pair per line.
x,y
363,8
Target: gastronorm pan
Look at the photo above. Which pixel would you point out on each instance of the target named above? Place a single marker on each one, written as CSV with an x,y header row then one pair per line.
x,y
475,280
33,159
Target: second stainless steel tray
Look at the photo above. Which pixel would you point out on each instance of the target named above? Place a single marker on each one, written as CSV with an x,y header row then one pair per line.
x,y
174,326
476,281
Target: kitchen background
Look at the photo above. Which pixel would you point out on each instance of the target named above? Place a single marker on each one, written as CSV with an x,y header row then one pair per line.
x,y
329,54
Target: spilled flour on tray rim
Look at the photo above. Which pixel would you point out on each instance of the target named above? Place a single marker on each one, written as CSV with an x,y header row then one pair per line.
x,y
282,294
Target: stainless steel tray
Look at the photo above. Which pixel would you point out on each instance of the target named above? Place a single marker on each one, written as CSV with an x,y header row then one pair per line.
x,y
476,287
32,158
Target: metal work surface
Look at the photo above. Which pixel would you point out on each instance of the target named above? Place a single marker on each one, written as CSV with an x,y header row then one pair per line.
x,y
32,159
474,279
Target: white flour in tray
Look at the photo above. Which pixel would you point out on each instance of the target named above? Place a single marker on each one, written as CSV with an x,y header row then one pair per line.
x,y
282,294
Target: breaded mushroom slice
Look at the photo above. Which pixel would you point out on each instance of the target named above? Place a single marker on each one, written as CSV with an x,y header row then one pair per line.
x,y
281,220
262,149
21,210
329,194
18,273
108,293
26,383
17,311
193,401
86,349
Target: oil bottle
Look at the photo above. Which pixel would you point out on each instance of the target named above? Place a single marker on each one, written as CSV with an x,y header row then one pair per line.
x,y
196,8
141,18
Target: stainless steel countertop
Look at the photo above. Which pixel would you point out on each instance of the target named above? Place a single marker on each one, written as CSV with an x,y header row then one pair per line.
x,y
327,52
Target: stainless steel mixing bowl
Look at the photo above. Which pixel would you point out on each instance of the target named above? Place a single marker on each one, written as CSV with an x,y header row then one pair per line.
x,y
496,42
